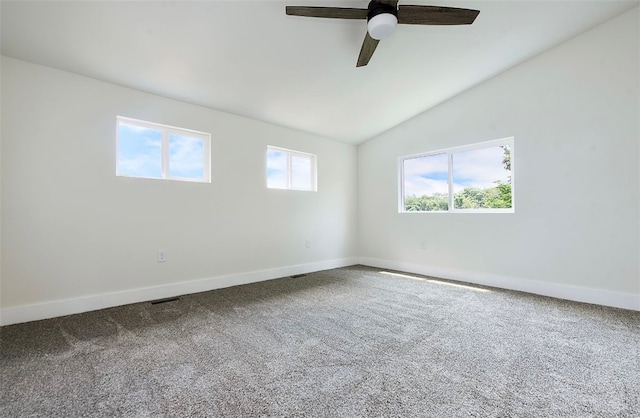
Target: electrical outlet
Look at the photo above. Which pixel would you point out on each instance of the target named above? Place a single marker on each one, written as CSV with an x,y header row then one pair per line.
x,y
423,245
307,243
162,256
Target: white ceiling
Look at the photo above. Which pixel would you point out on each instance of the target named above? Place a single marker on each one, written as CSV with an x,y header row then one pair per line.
x,y
250,59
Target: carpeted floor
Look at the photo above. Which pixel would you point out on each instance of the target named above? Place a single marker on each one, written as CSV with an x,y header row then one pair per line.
x,y
350,342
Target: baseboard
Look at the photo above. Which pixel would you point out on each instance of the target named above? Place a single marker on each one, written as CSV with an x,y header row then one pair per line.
x,y
35,312
26,313
561,291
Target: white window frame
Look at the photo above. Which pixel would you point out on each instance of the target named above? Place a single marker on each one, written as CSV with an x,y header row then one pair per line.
x,y
450,152
166,131
292,153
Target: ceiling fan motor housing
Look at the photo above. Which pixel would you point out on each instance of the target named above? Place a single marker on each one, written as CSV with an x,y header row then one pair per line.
x,y
381,19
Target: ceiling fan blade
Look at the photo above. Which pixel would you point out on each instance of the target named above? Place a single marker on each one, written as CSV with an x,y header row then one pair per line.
x,y
328,12
368,47
434,15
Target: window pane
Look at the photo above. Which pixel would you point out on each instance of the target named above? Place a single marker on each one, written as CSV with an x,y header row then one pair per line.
x,y
186,157
139,151
300,172
482,178
426,186
276,169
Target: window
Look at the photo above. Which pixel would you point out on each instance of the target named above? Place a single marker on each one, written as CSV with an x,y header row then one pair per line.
x,y
474,178
150,150
288,169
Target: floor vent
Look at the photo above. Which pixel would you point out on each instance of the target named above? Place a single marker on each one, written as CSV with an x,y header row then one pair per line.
x,y
295,276
156,302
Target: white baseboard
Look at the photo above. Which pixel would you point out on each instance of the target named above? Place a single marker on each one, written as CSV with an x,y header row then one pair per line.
x,y
561,291
26,313
35,312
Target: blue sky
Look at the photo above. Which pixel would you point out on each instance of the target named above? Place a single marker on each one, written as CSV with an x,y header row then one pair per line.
x,y
475,168
186,156
277,167
140,153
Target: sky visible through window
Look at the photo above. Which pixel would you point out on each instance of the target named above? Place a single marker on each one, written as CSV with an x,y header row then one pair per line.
x,y
276,169
289,170
426,175
186,156
140,153
479,168
300,172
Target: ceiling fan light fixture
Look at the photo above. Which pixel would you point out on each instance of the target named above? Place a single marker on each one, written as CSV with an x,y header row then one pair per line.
x,y
382,25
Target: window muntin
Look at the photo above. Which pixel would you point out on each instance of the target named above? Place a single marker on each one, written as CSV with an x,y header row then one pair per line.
x,y
150,150
293,170
474,178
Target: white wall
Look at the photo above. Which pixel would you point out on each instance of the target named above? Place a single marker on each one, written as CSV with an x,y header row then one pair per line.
x,y
73,233
574,112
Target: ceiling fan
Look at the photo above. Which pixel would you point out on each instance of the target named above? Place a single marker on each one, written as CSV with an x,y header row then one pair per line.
x,y
383,16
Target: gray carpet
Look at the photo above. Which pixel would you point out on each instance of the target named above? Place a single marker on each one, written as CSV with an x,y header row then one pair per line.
x,y
348,342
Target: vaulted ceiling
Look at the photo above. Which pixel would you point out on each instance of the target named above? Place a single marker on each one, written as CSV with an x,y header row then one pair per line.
x,y
250,59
